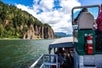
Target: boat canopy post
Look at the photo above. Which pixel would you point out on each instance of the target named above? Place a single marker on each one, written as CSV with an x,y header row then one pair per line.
x,y
49,50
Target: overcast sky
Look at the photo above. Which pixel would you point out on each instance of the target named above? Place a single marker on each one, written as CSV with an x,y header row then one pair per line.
x,y
57,13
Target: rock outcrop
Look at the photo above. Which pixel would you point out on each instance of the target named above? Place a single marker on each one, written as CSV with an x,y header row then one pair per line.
x,y
38,32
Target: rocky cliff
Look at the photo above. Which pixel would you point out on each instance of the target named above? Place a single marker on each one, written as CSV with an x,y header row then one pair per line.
x,y
15,23
38,32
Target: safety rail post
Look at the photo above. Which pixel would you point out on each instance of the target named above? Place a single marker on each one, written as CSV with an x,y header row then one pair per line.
x,y
51,63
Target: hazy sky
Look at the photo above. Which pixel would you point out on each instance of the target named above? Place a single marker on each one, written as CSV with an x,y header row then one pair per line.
x,y
57,13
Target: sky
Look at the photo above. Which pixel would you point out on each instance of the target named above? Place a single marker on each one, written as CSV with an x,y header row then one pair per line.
x,y
57,13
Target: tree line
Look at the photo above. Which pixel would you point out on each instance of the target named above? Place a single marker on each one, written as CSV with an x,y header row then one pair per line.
x,y
14,21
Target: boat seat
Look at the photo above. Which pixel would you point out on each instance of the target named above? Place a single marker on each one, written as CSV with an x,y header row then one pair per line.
x,y
85,20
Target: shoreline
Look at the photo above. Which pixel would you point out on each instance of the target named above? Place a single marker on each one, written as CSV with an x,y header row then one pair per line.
x,y
23,39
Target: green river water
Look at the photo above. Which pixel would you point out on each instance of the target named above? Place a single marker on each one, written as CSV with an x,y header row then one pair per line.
x,y
21,53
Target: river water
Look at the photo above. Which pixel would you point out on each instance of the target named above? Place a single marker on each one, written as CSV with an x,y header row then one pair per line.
x,y
21,53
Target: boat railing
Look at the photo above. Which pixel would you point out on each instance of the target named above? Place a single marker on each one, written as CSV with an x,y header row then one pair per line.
x,y
46,61
36,62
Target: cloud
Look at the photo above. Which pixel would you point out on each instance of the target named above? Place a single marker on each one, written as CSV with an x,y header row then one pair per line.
x,y
59,19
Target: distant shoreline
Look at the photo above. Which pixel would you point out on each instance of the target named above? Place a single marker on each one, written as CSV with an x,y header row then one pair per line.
x,y
23,39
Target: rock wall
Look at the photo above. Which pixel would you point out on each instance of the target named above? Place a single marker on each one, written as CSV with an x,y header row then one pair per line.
x,y
38,32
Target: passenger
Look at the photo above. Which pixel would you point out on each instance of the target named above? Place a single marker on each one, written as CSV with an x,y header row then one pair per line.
x,y
68,62
65,58
83,10
99,31
99,21
59,53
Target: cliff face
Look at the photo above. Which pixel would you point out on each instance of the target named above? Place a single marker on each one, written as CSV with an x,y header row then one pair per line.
x,y
15,23
38,32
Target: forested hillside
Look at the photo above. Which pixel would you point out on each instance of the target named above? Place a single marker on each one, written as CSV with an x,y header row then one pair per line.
x,y
15,23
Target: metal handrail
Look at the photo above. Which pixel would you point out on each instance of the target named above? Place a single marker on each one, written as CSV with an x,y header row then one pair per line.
x,y
35,63
44,62
90,6
42,66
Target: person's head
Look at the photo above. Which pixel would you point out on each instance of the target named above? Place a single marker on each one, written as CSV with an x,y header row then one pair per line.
x,y
60,50
84,10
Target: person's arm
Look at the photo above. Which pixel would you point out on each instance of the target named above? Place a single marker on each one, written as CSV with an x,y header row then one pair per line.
x,y
95,26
